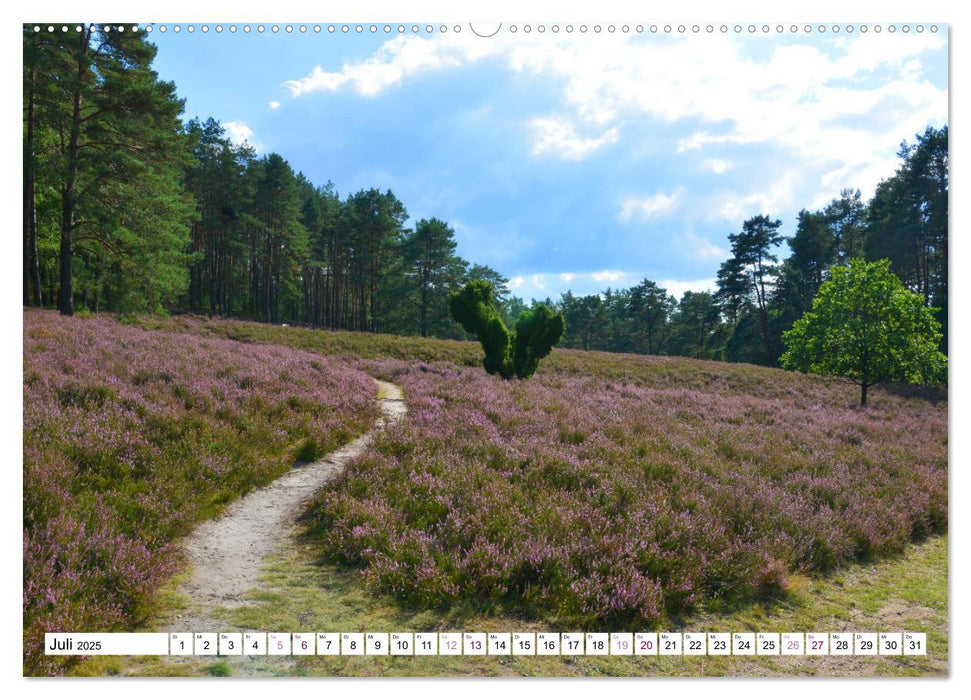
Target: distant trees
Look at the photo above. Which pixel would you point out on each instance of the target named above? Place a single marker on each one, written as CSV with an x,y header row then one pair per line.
x,y
759,295
125,208
694,325
650,308
753,252
865,325
907,221
587,319
433,270
270,245
507,354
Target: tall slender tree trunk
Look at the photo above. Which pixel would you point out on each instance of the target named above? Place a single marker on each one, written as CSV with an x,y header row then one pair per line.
x,y
69,188
424,310
267,280
31,261
213,254
762,301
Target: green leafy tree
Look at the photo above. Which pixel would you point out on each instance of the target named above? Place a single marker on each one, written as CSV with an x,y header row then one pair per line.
x,y
507,354
867,326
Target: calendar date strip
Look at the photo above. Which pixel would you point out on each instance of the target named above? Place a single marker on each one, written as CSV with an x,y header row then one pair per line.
x,y
486,644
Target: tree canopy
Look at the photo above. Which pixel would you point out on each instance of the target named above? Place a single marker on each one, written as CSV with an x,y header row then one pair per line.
x,y
867,326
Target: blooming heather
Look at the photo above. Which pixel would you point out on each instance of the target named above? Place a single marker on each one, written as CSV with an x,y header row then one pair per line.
x,y
610,490
618,490
131,437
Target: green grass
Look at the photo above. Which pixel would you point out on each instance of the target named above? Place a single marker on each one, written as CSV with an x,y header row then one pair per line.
x,y
907,593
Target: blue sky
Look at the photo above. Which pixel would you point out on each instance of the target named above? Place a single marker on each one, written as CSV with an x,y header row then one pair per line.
x,y
576,161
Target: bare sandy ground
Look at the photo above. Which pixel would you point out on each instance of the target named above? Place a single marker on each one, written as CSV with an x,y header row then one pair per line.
x,y
226,555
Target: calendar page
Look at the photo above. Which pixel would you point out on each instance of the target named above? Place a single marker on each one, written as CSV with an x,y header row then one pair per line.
x,y
433,347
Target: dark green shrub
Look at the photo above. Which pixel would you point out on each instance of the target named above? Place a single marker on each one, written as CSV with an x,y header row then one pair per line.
x,y
507,354
537,331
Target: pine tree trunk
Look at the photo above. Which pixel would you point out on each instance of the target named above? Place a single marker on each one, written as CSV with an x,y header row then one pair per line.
x,y
69,188
31,263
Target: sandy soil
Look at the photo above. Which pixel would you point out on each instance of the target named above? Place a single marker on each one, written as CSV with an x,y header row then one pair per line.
x,y
226,555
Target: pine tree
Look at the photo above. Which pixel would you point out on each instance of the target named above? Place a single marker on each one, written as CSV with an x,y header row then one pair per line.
x,y
116,163
432,269
753,250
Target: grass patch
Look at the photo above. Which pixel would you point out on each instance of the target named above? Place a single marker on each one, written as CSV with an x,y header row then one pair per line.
x,y
219,669
877,596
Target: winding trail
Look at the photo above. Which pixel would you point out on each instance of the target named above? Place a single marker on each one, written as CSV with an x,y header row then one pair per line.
x,y
226,555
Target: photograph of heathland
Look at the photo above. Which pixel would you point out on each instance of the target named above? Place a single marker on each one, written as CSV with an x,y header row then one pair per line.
x,y
344,339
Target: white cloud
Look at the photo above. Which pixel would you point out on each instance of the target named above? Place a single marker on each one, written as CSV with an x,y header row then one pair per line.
x,y
677,288
770,200
319,80
697,140
537,285
553,284
701,248
717,165
274,105
838,103
397,59
240,133
557,136
652,206
608,276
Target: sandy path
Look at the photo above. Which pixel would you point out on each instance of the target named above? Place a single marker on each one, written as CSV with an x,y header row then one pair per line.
x,y
226,555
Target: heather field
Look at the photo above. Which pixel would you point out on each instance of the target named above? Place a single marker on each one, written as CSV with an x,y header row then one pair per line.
x,y
608,492
617,490
615,502
132,437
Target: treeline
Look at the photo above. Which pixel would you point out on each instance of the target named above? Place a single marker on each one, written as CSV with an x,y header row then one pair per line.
x,y
127,209
756,297
269,244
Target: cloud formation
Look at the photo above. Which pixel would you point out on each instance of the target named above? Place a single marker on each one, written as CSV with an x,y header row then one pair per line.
x,y
652,206
557,136
837,101
240,133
